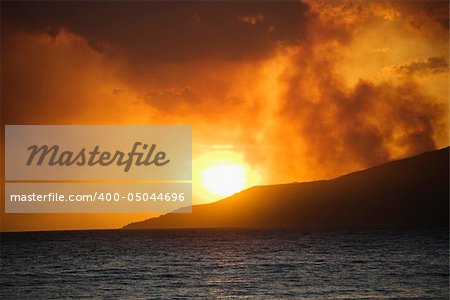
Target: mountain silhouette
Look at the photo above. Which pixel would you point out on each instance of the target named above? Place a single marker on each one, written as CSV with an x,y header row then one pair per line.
x,y
412,191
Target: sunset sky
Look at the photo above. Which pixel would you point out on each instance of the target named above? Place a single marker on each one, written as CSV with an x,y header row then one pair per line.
x,y
282,91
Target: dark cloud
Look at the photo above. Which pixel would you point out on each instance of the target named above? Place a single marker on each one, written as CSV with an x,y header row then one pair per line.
x,y
173,100
183,101
432,65
150,30
117,91
364,125
420,13
56,81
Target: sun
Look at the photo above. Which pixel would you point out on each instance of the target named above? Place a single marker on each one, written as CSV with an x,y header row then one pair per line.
x,y
224,179
222,173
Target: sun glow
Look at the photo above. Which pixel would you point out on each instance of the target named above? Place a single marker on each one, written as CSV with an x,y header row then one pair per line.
x,y
221,173
224,180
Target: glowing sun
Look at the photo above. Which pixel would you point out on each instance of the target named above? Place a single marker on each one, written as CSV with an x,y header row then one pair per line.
x,y
221,173
224,180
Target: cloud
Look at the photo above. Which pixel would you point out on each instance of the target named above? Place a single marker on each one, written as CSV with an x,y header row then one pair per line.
x,y
117,91
361,126
61,80
245,74
252,19
425,17
432,65
149,31
327,125
173,101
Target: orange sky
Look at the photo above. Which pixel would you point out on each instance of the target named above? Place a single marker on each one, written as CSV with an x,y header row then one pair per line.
x,y
296,90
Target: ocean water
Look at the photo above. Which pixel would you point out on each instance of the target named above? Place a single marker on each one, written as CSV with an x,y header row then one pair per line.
x,y
226,263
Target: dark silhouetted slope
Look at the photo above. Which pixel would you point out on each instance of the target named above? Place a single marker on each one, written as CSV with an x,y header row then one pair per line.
x,y
412,191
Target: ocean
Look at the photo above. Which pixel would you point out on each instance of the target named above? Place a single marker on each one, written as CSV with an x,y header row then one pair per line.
x,y
226,263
